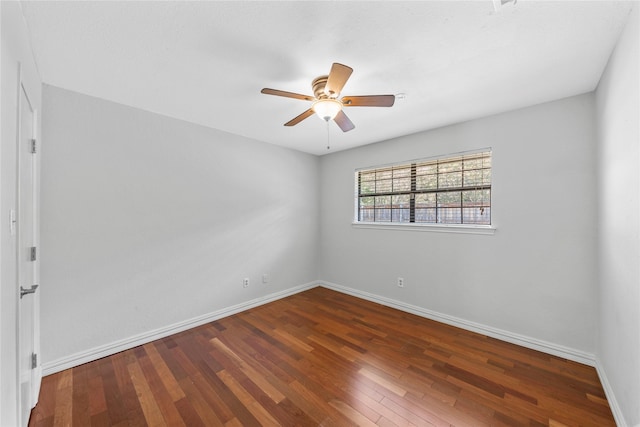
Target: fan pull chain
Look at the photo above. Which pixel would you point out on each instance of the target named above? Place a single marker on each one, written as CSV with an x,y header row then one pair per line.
x,y
328,144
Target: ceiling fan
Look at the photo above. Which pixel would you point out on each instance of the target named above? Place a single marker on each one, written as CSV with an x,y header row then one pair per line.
x,y
327,103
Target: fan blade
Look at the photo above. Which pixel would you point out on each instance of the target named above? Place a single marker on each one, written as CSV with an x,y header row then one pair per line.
x,y
338,76
277,92
368,101
343,121
299,118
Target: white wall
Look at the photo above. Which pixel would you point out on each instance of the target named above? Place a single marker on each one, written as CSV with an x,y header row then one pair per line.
x,y
148,221
15,50
534,277
618,113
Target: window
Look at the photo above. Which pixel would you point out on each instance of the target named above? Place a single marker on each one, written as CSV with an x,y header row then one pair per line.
x,y
451,190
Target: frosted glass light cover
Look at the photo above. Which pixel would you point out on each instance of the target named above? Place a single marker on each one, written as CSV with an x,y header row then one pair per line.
x,y
327,109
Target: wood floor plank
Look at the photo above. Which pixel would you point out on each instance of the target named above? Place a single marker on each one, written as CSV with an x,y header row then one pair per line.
x,y
383,382
261,381
80,397
63,413
325,358
120,362
199,404
415,415
215,394
97,400
202,391
166,376
150,408
188,414
116,407
291,340
355,416
319,407
258,411
161,395
387,416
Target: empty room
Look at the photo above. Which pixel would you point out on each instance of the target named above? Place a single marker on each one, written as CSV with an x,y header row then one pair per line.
x,y
336,213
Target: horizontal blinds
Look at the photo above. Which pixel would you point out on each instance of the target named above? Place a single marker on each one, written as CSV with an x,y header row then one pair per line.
x,y
451,190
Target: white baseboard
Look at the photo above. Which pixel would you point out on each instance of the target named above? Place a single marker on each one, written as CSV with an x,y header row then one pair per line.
x,y
611,398
524,341
99,352
511,337
127,343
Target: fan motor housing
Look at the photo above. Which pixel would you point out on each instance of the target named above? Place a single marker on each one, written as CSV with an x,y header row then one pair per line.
x,y
318,84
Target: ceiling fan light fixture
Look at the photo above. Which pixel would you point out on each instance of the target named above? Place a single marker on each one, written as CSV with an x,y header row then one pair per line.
x,y
326,102
327,108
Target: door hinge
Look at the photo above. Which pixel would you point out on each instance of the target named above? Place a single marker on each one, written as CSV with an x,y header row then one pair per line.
x,y
34,146
32,254
34,361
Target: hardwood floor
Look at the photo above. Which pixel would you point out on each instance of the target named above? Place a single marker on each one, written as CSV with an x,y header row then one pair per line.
x,y
324,358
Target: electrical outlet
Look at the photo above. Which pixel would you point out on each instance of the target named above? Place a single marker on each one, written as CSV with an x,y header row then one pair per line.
x,y
265,278
400,282
245,282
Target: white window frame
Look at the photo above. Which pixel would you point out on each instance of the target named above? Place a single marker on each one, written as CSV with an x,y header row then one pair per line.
x,y
423,226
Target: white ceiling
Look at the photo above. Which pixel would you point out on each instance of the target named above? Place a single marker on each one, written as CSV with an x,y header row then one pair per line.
x,y
205,62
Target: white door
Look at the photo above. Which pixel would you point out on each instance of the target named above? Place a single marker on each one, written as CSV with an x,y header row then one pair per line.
x,y
29,379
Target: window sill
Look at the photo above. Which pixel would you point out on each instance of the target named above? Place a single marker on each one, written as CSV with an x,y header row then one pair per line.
x,y
437,228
